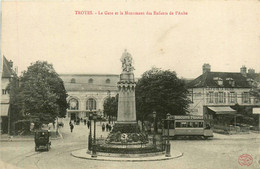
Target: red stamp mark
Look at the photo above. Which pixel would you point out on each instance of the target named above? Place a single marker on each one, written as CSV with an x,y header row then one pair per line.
x,y
245,159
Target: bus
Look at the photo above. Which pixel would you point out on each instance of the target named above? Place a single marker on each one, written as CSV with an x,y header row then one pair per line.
x,y
187,126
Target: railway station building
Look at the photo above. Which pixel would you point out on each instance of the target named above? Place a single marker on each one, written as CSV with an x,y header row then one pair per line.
x,y
88,92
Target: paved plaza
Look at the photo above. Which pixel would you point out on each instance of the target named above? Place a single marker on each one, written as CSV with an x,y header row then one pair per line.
x,y
222,151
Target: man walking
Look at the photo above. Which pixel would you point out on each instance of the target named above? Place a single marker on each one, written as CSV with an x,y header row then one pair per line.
x,y
71,127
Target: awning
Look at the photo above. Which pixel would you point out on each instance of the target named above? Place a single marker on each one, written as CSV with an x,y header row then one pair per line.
x,y
223,110
4,109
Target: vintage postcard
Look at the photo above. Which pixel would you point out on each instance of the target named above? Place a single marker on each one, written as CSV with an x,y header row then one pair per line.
x,y
130,84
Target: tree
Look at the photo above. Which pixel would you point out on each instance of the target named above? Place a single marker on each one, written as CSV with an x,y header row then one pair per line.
x,y
161,91
43,95
110,107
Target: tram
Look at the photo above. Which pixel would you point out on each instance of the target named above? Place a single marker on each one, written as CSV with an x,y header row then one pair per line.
x,y
187,126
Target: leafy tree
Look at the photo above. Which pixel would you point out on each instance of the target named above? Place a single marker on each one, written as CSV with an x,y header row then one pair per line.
x,y
43,95
110,107
161,91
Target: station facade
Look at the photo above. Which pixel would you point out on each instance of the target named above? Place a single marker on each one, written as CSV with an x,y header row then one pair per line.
x,y
88,92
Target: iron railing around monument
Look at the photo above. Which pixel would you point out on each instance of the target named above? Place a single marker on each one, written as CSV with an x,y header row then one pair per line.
x,y
154,145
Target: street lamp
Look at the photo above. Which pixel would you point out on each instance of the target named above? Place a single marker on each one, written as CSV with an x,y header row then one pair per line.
x,y
90,134
168,145
154,116
94,146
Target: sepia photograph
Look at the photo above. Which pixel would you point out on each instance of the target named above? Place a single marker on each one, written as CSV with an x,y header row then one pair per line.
x,y
122,84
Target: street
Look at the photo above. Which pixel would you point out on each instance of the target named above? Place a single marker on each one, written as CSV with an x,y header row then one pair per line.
x,y
220,152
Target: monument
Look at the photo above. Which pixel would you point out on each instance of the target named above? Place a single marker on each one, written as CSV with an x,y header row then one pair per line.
x,y
126,128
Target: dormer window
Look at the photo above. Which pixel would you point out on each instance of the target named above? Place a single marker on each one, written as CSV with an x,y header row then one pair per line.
x,y
218,80
250,81
231,81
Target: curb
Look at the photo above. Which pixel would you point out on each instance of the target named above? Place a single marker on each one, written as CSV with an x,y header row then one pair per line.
x,y
102,158
30,139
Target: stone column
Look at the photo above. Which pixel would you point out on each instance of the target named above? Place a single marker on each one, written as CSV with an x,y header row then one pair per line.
x,y
126,102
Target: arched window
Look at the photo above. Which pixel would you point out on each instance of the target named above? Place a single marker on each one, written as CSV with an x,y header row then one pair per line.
x,y
107,81
90,80
91,104
73,104
73,80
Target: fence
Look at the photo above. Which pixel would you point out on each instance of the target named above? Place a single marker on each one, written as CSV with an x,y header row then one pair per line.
x,y
231,129
154,144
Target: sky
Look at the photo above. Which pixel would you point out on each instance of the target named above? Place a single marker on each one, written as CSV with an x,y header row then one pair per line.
x,y
224,34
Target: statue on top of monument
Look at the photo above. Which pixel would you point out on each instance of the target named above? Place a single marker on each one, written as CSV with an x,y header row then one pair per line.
x,y
127,60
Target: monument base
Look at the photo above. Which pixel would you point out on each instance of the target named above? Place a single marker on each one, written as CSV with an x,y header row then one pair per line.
x,y
124,127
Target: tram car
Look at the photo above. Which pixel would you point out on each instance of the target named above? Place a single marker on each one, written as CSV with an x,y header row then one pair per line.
x,y
42,140
187,126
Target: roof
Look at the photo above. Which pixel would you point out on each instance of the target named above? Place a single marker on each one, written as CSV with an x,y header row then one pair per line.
x,y
254,76
223,110
88,87
207,80
7,70
79,74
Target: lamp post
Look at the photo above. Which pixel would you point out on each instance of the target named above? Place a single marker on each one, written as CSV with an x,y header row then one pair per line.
x,y
90,134
154,116
94,146
168,145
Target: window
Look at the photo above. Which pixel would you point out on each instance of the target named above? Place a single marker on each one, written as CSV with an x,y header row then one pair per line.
x,y
210,97
73,104
231,81
178,124
200,124
107,81
91,104
232,97
90,80
196,124
216,97
222,97
183,124
171,125
218,80
4,92
245,97
250,82
73,80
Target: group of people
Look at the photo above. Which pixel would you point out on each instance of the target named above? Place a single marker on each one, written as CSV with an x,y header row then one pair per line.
x,y
106,127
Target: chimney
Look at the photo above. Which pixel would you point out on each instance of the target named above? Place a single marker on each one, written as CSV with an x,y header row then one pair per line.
x,y
243,70
11,63
206,68
251,71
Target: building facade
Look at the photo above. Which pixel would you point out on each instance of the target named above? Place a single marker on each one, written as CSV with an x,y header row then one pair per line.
x,y
7,73
217,91
88,92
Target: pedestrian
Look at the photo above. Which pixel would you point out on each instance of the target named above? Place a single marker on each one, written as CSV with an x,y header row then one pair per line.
x,y
88,124
85,121
107,127
103,127
71,127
